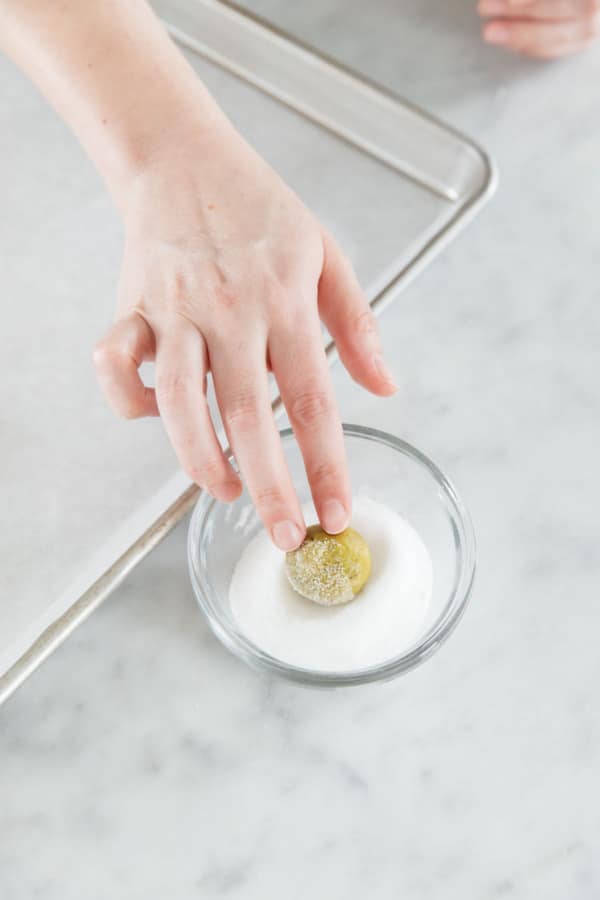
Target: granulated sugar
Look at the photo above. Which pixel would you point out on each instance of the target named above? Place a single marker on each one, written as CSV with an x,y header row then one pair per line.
x,y
377,625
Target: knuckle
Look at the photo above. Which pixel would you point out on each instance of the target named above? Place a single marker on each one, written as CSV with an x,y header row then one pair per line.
x,y
223,293
242,412
297,326
195,473
324,473
210,471
104,356
186,443
269,497
365,324
207,473
128,408
129,413
310,406
273,290
180,286
226,297
170,386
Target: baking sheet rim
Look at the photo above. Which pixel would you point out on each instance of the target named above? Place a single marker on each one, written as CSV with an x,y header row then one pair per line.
x,y
54,635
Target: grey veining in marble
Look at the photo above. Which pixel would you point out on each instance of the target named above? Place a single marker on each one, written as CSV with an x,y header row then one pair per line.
x,y
143,761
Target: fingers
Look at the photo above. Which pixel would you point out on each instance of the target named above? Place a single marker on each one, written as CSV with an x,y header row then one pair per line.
x,y
117,358
242,390
540,9
346,314
543,40
302,373
544,29
181,367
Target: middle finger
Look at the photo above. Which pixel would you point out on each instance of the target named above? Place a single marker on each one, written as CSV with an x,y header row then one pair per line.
x,y
300,367
242,389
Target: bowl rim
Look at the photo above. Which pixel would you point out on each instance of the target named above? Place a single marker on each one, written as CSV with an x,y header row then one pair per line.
x,y
432,640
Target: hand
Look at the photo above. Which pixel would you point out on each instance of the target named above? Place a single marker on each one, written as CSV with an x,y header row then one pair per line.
x,y
542,28
226,271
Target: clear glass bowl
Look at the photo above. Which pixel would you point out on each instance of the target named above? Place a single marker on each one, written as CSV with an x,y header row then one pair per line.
x,y
386,469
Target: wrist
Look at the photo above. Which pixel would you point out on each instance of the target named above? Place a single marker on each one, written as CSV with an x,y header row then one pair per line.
x,y
163,130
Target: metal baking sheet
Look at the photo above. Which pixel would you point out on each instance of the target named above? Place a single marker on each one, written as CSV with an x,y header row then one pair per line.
x,y
85,497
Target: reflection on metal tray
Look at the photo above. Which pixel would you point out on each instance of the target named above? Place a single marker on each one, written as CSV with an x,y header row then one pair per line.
x,y
391,183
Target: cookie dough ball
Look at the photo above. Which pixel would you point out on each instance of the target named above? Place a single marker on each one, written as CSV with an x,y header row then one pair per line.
x,y
329,569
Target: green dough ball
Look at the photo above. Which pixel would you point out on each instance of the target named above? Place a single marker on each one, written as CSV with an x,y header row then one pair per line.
x,y
329,569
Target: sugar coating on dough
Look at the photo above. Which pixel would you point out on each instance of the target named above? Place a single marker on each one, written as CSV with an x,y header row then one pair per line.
x,y
384,621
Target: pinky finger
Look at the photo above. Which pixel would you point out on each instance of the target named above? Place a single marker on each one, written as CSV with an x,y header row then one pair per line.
x,y
117,358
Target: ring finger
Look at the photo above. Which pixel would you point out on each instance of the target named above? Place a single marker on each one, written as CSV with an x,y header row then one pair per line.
x,y
181,367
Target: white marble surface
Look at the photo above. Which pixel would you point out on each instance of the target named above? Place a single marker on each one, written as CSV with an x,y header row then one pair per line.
x,y
144,761
78,486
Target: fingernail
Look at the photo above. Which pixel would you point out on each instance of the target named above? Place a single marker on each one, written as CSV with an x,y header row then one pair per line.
x,y
496,34
227,491
286,535
334,516
383,371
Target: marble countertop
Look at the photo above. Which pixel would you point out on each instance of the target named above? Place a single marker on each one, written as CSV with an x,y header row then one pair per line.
x,y
143,761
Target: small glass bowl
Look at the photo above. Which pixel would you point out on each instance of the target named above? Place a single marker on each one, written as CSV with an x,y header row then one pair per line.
x,y
383,468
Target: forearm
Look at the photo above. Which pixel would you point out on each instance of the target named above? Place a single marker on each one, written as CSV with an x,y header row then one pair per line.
x,y
113,74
